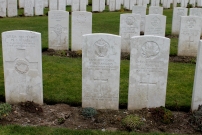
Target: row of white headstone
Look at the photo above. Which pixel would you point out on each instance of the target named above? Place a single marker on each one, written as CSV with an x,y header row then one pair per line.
x,y
22,59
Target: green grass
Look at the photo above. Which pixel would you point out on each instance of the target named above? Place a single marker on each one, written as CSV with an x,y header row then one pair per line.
x,y
26,130
62,76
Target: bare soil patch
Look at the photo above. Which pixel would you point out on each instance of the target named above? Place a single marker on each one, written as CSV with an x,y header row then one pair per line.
x,y
63,115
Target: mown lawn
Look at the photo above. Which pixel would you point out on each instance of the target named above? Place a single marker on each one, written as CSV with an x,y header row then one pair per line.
x,y
62,75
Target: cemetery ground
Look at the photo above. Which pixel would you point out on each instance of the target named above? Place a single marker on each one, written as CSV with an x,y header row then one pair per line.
x,y
62,88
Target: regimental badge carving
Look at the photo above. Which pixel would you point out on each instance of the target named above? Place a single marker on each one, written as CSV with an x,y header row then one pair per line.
x,y
150,49
156,22
191,23
101,48
58,29
21,66
130,20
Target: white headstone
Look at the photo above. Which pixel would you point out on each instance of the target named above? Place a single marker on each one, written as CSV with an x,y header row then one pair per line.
x,y
29,8
3,4
95,5
62,5
126,4
197,90
101,71
190,31
129,27
112,5
21,3
58,30
81,24
196,12
45,3
102,5
69,2
53,5
177,13
149,60
12,8
141,10
155,25
118,4
156,10
39,7
82,5
75,5
22,59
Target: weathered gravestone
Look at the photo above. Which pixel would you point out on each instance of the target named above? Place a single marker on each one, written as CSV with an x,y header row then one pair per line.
x,y
62,5
3,8
190,31
177,13
101,71
39,7
81,24
29,8
197,90
141,10
149,60
155,25
196,12
156,10
12,8
129,27
58,30
22,66
53,5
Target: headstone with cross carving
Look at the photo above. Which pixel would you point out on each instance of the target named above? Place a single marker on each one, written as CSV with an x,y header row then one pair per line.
x,y
22,66
3,4
101,71
58,30
81,24
39,7
197,89
141,10
156,10
189,37
155,25
177,13
12,8
129,27
149,60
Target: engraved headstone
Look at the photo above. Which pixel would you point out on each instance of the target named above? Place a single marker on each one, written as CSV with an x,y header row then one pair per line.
x,y
62,5
81,24
190,31
141,10
196,12
53,5
58,30
197,89
129,27
82,5
149,60
95,5
155,25
29,8
156,10
177,13
39,7
12,8
22,61
112,5
101,71
3,8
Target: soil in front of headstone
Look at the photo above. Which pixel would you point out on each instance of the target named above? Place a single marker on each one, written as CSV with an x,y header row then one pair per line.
x,y
124,56
63,115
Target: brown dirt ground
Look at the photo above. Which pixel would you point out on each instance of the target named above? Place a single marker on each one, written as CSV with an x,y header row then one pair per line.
x,y
63,115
